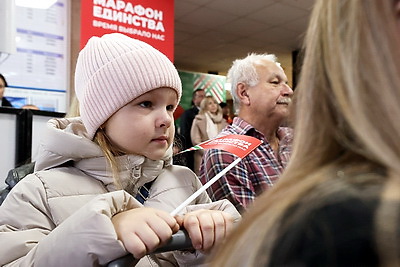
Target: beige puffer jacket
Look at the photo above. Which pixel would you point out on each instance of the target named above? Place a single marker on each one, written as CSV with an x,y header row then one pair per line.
x,y
61,216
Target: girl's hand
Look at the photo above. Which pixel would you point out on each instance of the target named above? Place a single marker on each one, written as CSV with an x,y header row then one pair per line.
x,y
206,228
142,230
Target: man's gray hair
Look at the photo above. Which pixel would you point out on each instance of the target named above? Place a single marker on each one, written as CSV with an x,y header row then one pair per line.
x,y
244,71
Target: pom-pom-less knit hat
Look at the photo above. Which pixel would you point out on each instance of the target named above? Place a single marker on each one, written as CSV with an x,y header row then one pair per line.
x,y
114,69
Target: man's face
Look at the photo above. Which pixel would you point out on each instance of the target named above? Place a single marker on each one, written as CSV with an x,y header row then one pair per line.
x,y
270,98
198,96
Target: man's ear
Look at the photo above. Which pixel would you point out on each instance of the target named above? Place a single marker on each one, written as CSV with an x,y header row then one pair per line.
x,y
242,90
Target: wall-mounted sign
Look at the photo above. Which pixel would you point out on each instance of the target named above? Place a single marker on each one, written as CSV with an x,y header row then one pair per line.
x,y
151,21
38,73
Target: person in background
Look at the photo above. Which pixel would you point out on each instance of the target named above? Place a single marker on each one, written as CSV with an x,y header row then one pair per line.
x,y
104,183
262,97
30,106
3,85
338,201
206,125
186,121
226,113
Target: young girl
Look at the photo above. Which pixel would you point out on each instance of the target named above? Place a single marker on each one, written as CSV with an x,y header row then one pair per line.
x,y
206,125
81,207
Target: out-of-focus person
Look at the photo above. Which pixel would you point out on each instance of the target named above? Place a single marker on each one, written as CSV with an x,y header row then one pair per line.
x,y
3,99
206,125
338,201
226,113
30,106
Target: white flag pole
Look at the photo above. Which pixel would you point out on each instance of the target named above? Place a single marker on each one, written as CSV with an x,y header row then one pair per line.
x,y
204,188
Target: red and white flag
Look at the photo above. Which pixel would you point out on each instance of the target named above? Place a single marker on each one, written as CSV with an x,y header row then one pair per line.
x,y
239,145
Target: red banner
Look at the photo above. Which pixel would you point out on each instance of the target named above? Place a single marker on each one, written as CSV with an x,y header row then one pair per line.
x,y
151,21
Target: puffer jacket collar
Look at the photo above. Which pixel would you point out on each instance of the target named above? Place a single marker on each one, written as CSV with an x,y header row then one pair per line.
x,y
66,141
135,171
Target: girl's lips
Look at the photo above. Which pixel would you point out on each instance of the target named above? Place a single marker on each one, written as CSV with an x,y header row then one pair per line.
x,y
160,139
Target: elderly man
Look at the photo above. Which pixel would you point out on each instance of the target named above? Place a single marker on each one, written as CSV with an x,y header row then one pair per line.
x,y
261,94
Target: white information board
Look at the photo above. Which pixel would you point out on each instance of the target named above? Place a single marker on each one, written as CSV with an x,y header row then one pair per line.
x,y
39,72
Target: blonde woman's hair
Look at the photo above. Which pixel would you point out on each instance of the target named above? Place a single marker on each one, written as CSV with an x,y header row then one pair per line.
x,y
347,105
204,105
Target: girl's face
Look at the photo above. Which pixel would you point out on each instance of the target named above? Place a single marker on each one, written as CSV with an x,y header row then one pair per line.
x,y
145,126
212,105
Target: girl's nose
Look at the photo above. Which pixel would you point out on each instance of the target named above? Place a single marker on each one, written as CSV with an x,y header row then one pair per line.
x,y
165,119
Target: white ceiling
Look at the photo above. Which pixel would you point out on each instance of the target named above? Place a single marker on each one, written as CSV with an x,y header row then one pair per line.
x,y
210,34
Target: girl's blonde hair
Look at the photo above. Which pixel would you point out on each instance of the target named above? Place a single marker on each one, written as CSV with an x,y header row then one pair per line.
x,y
110,152
347,105
73,110
100,138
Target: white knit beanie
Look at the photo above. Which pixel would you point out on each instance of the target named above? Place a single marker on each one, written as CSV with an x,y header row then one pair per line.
x,y
113,70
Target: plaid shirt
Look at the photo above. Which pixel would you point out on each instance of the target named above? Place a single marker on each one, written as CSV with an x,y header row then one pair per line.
x,y
254,174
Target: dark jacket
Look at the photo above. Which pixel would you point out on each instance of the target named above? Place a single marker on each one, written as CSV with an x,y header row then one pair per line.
x,y
14,176
5,102
185,127
334,229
